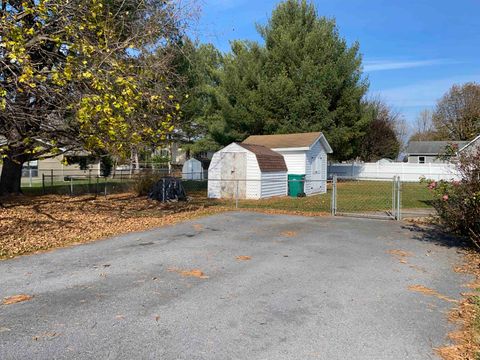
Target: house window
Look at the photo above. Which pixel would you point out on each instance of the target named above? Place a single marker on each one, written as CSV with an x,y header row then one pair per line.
x,y
421,159
30,169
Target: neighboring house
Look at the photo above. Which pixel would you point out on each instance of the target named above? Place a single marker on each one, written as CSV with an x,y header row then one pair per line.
x,y
472,146
426,152
247,171
56,165
304,153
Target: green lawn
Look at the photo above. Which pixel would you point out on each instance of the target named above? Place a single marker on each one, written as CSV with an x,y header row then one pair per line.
x,y
355,196
352,196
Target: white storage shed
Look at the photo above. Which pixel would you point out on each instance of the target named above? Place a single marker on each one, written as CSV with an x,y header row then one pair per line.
x,y
192,170
254,171
304,153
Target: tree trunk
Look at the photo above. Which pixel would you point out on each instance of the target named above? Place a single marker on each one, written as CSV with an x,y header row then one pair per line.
x,y
10,180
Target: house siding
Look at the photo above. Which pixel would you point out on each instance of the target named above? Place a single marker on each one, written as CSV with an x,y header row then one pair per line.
x,y
295,161
274,184
253,177
214,172
429,159
60,171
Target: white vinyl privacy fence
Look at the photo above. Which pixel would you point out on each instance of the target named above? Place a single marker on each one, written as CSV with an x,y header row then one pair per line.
x,y
406,171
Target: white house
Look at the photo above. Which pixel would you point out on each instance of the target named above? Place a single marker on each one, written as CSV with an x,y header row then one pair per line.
x,y
251,171
192,170
304,153
426,152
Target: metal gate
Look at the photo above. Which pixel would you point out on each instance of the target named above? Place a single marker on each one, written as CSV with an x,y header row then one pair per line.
x,y
372,198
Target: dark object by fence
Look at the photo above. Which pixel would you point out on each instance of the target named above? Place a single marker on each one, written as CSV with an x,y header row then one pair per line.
x,y
168,189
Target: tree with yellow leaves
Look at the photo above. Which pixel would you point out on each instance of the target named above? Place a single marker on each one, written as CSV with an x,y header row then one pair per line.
x,y
79,74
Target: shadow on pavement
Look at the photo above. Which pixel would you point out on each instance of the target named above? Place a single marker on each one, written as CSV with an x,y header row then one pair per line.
x,y
434,235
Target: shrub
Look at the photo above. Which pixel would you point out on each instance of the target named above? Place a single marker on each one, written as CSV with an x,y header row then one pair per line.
x,y
458,202
144,182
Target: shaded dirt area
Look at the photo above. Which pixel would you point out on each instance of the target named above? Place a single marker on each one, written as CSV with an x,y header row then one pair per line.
x,y
32,223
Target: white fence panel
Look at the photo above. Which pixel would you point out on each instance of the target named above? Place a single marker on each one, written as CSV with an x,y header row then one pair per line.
x,y
406,171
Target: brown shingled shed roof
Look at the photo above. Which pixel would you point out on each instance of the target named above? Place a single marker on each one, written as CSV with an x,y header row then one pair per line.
x,y
284,141
268,160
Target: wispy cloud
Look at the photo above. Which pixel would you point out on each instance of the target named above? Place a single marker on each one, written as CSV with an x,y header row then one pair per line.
x,y
424,93
383,65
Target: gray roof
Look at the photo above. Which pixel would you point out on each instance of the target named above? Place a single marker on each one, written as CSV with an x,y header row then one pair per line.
x,y
431,147
477,139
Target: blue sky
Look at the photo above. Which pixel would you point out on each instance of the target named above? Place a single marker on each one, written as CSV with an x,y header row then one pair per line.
x,y
413,50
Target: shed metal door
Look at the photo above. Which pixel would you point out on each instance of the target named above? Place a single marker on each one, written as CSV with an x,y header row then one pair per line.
x,y
234,171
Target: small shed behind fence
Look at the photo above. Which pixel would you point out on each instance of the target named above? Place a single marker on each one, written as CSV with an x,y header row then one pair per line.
x,y
305,154
192,170
251,171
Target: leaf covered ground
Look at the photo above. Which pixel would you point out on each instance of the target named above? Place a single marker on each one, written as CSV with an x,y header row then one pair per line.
x,y
33,223
465,342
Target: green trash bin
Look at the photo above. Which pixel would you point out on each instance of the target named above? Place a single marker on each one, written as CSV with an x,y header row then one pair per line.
x,y
296,185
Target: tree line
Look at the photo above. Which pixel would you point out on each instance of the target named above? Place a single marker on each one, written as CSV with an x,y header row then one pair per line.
x,y
455,117
303,77
119,77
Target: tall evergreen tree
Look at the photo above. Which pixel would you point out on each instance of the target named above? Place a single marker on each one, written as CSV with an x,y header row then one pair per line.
x,y
199,67
304,78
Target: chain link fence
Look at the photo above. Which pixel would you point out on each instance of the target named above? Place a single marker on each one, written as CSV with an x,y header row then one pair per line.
x,y
378,198
80,182
367,197
381,198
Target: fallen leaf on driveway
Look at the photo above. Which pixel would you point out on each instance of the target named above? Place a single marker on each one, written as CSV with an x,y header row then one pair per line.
x,y
288,233
16,299
244,257
198,227
427,291
190,273
400,255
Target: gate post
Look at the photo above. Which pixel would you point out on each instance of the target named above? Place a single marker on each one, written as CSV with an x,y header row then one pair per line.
x,y
334,195
394,197
399,199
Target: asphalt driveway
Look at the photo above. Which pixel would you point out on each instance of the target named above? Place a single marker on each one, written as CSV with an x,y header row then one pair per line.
x,y
305,288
